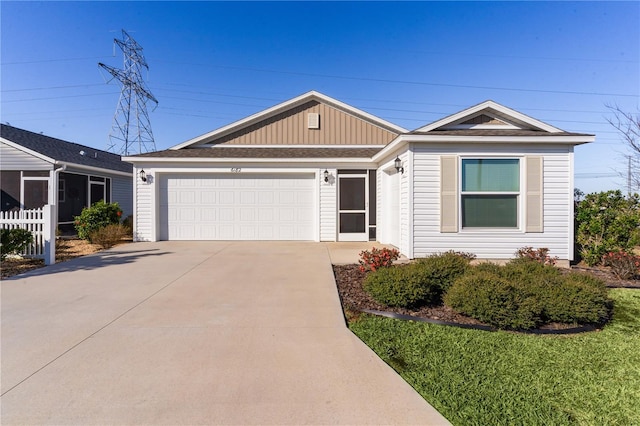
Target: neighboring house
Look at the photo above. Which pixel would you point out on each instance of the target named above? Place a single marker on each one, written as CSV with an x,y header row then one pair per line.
x,y
486,180
36,170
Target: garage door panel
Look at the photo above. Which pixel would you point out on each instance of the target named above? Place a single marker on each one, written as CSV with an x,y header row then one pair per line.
x,y
233,207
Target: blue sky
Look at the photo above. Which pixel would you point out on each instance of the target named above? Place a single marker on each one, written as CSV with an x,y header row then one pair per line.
x,y
411,63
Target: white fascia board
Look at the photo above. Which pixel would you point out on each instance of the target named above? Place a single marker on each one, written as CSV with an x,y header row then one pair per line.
x,y
401,140
222,146
392,147
146,160
283,107
28,151
507,112
94,169
572,140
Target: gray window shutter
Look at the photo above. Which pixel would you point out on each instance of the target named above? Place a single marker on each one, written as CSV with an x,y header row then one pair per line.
x,y
534,214
448,194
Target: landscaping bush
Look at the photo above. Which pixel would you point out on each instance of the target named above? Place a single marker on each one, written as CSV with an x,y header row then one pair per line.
x,y
97,216
443,268
623,265
403,286
14,241
377,258
128,223
540,255
605,222
580,298
110,235
495,301
525,294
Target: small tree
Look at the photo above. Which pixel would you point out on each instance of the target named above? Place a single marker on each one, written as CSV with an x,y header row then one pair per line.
x,y
628,126
606,221
97,216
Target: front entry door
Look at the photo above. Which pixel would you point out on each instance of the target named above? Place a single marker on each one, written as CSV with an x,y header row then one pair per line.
x,y
353,207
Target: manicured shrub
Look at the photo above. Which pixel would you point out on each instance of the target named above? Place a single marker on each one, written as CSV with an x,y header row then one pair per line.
x,y
377,258
401,286
578,298
623,265
97,216
525,294
14,241
540,255
526,270
495,301
442,269
110,235
606,221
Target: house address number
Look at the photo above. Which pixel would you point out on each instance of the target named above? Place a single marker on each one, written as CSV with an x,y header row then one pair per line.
x,y
236,170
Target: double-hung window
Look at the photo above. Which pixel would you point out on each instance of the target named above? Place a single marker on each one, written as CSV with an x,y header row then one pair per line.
x,y
490,190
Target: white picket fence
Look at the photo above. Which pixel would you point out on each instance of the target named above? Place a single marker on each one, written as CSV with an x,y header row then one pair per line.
x,y
40,223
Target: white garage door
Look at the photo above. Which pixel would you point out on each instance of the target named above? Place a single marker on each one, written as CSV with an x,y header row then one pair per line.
x,y
237,207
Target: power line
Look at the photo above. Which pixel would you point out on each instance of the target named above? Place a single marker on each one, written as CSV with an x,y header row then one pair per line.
x,y
420,83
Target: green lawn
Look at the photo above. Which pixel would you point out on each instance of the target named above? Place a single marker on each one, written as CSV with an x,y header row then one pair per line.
x,y
499,378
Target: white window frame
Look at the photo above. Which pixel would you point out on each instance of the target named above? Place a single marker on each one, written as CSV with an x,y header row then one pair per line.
x,y
519,198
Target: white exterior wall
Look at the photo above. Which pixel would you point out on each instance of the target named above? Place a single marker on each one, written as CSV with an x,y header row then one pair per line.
x,y
144,211
495,244
14,159
328,206
406,204
146,216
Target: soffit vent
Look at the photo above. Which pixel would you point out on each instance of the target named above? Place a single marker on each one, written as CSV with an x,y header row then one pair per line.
x,y
313,120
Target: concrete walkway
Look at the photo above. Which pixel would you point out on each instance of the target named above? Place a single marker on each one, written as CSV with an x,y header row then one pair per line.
x,y
192,333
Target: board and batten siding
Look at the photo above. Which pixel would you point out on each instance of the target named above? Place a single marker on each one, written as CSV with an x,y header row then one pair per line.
x,y
328,206
495,244
14,159
291,128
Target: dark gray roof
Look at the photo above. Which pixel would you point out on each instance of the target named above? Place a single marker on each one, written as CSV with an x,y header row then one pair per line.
x,y
68,152
222,152
495,132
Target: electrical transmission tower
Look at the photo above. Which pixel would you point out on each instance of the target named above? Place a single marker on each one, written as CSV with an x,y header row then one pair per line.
x,y
131,127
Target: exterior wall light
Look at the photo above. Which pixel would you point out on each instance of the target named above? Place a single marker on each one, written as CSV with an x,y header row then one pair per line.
x,y
326,175
143,175
398,164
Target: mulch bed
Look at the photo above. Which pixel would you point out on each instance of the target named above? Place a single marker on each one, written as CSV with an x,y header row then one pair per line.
x,y
354,299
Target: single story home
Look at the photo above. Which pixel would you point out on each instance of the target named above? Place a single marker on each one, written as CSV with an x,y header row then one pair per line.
x,y
486,180
36,170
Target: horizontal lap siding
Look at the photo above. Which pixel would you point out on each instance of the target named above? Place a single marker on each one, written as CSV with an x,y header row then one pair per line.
x,y
328,212
492,244
122,193
14,159
143,215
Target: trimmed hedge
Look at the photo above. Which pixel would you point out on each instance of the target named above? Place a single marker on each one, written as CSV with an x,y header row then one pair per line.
x,y
494,300
416,284
442,269
525,294
403,286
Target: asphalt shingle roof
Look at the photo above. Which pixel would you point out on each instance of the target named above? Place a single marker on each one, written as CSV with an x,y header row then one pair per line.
x,y
60,150
222,152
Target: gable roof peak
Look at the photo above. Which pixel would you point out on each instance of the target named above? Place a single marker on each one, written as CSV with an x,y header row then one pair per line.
x,y
511,117
311,95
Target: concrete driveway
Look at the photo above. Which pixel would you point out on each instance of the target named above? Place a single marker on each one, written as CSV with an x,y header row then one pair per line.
x,y
192,333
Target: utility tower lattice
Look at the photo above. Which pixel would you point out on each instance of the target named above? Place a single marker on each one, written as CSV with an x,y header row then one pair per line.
x,y
131,127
